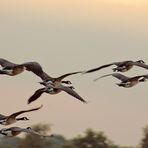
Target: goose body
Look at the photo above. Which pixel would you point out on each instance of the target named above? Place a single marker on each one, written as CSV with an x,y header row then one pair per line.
x,y
12,69
37,69
127,81
55,90
9,68
7,120
14,131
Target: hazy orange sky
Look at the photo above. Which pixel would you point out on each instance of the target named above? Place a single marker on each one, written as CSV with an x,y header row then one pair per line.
x,y
65,36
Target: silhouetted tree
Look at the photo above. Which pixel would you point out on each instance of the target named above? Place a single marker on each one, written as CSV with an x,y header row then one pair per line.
x,y
8,142
144,141
92,139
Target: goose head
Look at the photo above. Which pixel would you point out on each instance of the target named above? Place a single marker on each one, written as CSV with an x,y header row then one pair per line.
x,y
140,61
142,79
29,128
66,82
23,118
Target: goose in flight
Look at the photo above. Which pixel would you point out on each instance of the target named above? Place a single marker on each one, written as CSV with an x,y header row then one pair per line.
x,y
14,131
127,81
7,120
52,85
9,68
12,69
51,89
37,69
121,66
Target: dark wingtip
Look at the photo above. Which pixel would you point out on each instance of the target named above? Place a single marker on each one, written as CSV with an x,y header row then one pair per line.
x,y
29,101
85,102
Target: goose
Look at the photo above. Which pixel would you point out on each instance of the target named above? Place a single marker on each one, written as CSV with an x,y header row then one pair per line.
x,y
37,69
127,81
13,69
7,120
51,89
121,66
52,85
9,68
14,131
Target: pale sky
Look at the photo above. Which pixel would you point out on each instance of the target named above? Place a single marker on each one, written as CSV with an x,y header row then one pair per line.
x,y
65,36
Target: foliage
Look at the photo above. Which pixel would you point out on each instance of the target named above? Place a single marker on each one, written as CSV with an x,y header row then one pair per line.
x,y
144,141
90,139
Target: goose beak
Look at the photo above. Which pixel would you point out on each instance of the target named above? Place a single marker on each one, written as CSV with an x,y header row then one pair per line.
x,y
41,83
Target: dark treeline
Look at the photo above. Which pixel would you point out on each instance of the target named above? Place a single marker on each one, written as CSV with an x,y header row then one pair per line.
x,y
90,139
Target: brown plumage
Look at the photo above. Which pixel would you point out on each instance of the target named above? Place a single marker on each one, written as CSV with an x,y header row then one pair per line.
x,y
8,68
127,81
7,120
14,131
55,90
49,82
12,69
37,69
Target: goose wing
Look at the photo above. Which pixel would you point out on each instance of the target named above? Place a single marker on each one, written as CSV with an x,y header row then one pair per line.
x,y
24,111
14,128
116,75
37,69
6,63
71,92
36,95
68,74
145,76
141,76
98,68
104,66
2,117
140,65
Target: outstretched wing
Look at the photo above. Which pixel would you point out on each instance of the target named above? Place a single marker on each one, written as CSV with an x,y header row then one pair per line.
x,y
140,65
37,69
24,111
36,95
98,68
107,65
116,75
140,76
2,117
6,63
71,92
68,74
14,128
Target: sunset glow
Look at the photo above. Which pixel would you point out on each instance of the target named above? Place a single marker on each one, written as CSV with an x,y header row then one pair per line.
x,y
128,2
74,35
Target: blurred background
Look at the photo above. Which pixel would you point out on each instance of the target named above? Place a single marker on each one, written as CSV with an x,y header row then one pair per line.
x,y
66,36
